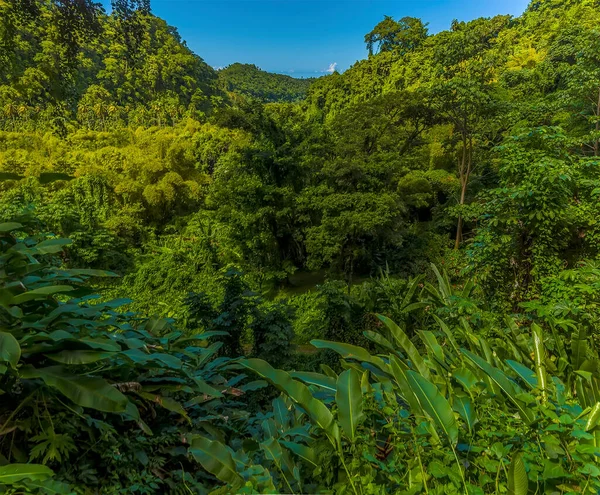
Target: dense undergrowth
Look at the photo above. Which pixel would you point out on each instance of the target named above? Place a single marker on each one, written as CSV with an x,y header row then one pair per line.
x,y
382,281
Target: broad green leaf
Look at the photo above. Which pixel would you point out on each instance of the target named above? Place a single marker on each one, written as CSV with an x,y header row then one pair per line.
x,y
447,332
166,403
443,282
84,391
413,306
540,358
42,292
593,417
585,393
10,350
12,473
50,246
365,385
49,487
295,390
299,431
328,371
379,340
253,385
139,356
489,357
560,345
317,379
432,344
409,348
527,375
435,405
349,351
412,287
349,400
9,226
207,389
406,392
281,413
553,470
302,451
506,385
216,459
578,347
272,450
98,343
466,378
463,406
79,357
156,325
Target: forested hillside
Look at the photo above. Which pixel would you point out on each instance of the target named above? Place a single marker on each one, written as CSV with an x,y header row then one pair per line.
x,y
63,68
253,82
381,281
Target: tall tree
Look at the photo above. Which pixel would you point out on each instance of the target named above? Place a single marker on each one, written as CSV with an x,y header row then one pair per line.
x,y
396,36
466,93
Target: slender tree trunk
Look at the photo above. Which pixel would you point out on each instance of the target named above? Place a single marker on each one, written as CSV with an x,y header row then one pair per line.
x,y
464,170
458,233
597,138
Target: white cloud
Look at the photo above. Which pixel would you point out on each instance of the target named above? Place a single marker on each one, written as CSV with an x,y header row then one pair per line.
x,y
331,68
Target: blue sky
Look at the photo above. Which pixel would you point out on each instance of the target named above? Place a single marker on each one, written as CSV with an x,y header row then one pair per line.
x,y
304,37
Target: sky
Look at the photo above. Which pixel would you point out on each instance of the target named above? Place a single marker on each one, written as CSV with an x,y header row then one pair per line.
x,y
304,38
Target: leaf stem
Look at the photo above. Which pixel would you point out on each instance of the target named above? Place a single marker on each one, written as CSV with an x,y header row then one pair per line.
x,y
462,476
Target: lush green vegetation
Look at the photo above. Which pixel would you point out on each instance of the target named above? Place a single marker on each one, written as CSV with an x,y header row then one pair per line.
x,y
382,281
